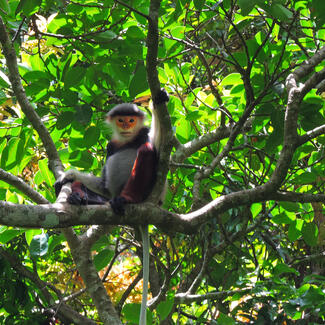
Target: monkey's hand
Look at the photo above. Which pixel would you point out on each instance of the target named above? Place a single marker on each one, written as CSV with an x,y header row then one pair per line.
x,y
117,203
66,177
161,97
76,199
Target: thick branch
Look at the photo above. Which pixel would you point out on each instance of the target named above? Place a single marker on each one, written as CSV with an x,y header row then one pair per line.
x,y
165,128
14,77
82,256
309,65
64,215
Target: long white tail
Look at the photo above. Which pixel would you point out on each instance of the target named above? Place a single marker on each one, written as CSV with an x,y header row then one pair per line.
x,y
145,265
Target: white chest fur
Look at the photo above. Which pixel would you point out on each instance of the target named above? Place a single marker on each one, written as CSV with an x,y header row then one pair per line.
x,y
118,169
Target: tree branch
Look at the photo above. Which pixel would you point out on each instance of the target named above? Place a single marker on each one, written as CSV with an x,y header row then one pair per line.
x,y
61,215
184,298
14,77
189,148
311,135
22,186
166,138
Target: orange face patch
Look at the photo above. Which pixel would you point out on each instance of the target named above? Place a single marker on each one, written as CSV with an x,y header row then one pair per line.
x,y
126,122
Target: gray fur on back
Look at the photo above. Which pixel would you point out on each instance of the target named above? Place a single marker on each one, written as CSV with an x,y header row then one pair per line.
x,y
118,169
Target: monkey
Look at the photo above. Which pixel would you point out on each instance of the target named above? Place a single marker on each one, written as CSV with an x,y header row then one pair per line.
x,y
129,172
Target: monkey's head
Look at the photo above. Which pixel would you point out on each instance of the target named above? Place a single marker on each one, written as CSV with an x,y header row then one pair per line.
x,y
126,121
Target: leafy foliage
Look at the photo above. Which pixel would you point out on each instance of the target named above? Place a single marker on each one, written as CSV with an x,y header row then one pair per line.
x,y
224,64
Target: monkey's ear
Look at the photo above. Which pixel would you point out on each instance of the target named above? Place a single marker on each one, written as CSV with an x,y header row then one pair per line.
x,y
161,97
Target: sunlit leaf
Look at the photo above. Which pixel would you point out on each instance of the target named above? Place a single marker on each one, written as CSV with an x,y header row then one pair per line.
x,y
39,245
232,79
7,234
29,234
45,172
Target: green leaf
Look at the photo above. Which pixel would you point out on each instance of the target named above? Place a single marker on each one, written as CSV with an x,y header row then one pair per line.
x,y
246,6
64,119
317,10
3,144
83,114
131,312
69,97
194,116
294,231
198,4
305,178
164,308
55,241
274,140
313,296
4,6
7,234
183,128
311,116
178,32
21,154
47,175
225,319
283,268
232,79
284,218
255,162
172,47
82,160
4,80
28,7
135,33
310,233
29,234
74,77
91,136
103,258
105,36
8,158
37,75
290,206
256,208
139,82
280,12
39,245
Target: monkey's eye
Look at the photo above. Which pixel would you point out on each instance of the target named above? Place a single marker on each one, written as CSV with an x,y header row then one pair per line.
x,y
131,120
120,120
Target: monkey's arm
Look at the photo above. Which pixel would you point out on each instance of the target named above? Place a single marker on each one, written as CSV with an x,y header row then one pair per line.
x,y
90,181
143,175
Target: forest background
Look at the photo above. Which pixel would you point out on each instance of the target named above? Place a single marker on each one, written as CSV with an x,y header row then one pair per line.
x,y
240,237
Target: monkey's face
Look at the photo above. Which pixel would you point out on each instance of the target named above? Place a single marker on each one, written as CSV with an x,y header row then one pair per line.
x,y
127,126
